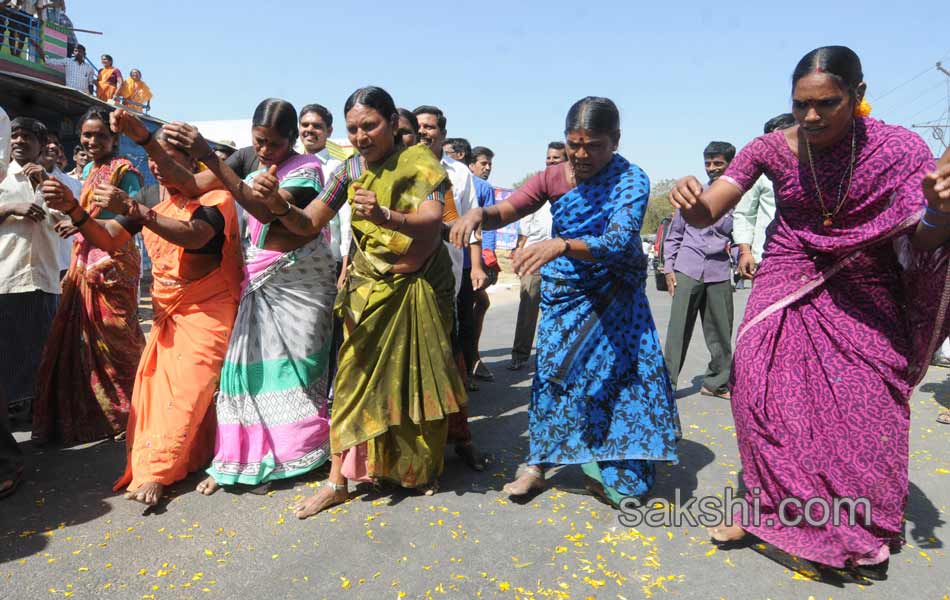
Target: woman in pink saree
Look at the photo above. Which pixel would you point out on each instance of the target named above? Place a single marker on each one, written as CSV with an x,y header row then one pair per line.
x,y
849,303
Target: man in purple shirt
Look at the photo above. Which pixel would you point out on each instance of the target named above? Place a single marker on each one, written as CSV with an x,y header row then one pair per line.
x,y
699,274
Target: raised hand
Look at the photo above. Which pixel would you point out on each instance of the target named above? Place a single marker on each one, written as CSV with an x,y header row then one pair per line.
x,y
111,198
266,188
937,185
366,205
35,173
685,193
188,139
57,196
124,122
465,226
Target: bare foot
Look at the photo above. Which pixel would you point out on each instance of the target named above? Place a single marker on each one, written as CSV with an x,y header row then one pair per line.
x,y
724,534
319,502
208,486
530,479
148,493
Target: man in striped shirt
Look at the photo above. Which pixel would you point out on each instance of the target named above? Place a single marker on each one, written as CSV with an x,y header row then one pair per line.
x,y
80,75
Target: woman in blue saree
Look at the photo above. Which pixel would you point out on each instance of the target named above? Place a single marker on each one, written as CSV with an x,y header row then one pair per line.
x,y
601,396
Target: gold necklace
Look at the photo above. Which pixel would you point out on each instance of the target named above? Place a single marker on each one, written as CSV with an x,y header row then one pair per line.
x,y
830,215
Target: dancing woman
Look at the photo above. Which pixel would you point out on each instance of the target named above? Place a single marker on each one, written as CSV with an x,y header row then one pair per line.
x,y
849,303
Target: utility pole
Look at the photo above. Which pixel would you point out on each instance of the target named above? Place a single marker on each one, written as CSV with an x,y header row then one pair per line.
x,y
938,130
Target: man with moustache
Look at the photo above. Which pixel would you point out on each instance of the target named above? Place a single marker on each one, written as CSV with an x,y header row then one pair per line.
x,y
50,159
29,265
699,275
466,266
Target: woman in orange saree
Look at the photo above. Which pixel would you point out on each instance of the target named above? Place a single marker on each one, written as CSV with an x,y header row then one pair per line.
x,y
110,80
93,349
195,249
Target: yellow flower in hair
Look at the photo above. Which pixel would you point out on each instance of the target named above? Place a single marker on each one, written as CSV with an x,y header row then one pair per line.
x,y
863,109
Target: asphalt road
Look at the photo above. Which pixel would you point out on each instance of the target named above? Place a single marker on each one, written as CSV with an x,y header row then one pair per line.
x,y
65,534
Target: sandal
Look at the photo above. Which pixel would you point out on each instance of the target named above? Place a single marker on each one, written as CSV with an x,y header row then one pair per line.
x,y
722,392
944,417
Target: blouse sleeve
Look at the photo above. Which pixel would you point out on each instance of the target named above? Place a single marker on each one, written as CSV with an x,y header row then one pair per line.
x,y
334,193
746,168
130,183
530,196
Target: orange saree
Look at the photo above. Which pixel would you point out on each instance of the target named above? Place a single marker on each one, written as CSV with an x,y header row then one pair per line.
x,y
171,429
108,83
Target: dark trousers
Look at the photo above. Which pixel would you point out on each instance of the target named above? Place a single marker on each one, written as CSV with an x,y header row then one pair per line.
x,y
11,457
466,316
713,302
527,323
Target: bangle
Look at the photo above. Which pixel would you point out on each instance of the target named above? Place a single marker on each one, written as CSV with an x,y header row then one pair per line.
x,y
401,223
82,221
567,247
283,214
386,213
939,213
926,223
70,211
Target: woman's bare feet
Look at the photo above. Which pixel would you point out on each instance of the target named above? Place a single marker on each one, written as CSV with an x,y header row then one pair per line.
x,y
531,479
726,534
208,486
330,494
148,493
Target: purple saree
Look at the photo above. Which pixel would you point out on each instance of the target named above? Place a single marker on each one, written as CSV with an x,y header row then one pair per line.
x,y
838,330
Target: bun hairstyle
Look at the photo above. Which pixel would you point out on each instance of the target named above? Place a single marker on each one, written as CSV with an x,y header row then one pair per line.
x,y
279,115
593,113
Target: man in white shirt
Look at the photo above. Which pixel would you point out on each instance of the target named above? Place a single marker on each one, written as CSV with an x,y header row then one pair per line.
x,y
29,265
80,75
533,228
50,159
432,129
11,457
316,127
4,143
755,212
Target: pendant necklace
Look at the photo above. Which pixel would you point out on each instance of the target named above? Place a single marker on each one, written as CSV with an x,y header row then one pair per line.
x,y
829,216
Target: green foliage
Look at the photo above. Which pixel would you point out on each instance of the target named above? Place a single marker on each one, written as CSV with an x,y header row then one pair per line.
x,y
662,187
658,208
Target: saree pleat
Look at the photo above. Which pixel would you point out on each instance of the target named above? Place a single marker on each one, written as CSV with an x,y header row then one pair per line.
x,y
397,380
272,406
93,349
171,422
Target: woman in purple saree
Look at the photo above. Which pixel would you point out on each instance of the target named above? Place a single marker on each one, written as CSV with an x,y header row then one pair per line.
x,y
849,303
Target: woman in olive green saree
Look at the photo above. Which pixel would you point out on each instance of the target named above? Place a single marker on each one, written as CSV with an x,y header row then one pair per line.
x,y
397,381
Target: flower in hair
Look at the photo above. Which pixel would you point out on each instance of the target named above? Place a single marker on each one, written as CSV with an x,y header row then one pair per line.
x,y
863,109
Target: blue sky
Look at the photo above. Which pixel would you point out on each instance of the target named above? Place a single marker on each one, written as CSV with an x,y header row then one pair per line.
x,y
505,73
